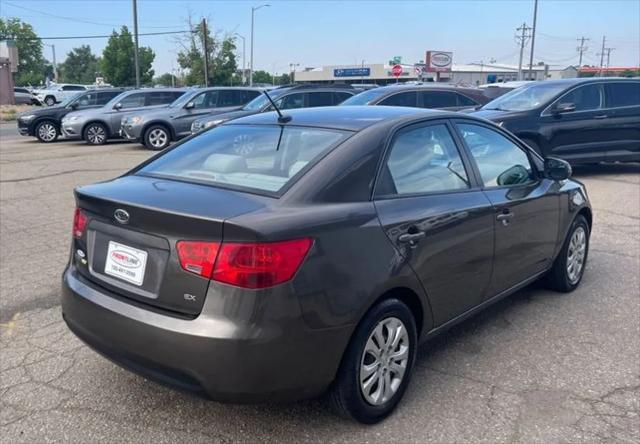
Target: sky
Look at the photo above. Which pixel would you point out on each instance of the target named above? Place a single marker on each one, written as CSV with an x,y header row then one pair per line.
x,y
316,33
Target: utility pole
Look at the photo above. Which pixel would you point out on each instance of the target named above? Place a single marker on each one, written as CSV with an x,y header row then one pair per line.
x,y
205,48
253,11
601,54
135,38
55,65
533,38
522,39
582,49
609,55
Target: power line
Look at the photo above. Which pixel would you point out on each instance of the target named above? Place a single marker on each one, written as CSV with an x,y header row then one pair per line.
x,y
522,39
9,37
582,48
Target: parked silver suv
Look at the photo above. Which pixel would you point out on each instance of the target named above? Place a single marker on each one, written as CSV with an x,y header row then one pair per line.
x,y
97,125
156,128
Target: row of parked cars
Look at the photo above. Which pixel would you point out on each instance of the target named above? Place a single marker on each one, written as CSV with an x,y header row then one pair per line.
x,y
581,120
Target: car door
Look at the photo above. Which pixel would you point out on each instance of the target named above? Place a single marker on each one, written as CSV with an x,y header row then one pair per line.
x,y
582,131
622,99
203,103
132,102
526,205
437,216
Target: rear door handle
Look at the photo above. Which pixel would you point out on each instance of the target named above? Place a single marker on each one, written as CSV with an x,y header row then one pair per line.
x,y
602,116
505,217
411,237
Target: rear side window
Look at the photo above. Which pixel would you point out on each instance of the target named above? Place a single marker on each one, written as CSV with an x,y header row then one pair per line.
x,y
339,97
622,94
73,88
105,97
290,101
439,99
263,158
423,160
133,101
230,98
585,98
409,98
500,161
465,101
159,98
320,99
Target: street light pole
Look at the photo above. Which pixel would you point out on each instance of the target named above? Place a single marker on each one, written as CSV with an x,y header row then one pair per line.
x,y
55,65
244,60
253,10
533,39
135,34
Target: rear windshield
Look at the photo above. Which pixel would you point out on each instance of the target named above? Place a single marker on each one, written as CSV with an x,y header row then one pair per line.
x,y
263,158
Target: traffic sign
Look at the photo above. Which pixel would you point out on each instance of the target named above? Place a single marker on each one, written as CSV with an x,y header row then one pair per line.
x,y
396,70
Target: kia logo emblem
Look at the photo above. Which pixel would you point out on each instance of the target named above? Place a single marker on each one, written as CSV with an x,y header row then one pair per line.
x,y
121,216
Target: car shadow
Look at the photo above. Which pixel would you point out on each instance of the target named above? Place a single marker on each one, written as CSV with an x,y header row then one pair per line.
x,y
602,169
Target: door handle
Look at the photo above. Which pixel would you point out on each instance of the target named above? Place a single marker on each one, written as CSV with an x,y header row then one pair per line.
x,y
602,116
505,217
411,237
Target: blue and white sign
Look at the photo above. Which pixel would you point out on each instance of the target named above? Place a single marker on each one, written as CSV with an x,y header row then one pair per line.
x,y
352,72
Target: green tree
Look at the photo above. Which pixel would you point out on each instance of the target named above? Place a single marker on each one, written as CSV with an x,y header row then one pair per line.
x,y
262,77
221,56
80,66
165,79
117,62
31,65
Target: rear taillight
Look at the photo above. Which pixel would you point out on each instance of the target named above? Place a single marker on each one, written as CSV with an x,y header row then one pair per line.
x,y
198,257
260,265
247,265
79,223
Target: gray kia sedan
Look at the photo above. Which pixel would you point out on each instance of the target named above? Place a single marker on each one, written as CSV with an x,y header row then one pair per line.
x,y
157,128
278,257
96,126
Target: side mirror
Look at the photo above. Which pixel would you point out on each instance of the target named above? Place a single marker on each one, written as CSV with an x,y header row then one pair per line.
x,y
189,105
557,169
117,106
562,108
515,175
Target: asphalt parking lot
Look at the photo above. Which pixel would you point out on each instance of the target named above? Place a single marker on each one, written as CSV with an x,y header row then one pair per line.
x,y
536,367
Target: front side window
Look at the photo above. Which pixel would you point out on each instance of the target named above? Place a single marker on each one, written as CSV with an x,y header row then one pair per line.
x,y
584,98
261,157
133,101
401,99
500,161
622,94
87,99
423,160
105,97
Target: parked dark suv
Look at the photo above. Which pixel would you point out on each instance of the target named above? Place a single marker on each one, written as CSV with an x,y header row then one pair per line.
x,y
277,257
285,97
44,123
434,96
580,120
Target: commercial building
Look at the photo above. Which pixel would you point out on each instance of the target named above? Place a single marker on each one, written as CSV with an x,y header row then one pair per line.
x,y
380,73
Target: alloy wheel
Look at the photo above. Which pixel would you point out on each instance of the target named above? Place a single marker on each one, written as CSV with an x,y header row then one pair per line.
x,y
96,135
384,361
158,138
47,132
50,101
575,254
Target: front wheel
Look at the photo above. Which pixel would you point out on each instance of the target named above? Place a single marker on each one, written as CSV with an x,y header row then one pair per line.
x,y
157,138
568,268
46,132
50,100
377,365
95,134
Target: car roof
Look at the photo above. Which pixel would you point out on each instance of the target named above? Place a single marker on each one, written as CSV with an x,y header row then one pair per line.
x,y
579,80
352,118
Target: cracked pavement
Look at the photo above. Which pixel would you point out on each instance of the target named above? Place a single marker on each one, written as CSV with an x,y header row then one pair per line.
x,y
538,367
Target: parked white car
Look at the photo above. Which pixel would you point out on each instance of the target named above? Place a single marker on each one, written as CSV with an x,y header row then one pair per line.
x,y
58,92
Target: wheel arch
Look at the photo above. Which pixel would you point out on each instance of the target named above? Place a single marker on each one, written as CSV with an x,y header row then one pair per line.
x,y
411,299
38,121
588,215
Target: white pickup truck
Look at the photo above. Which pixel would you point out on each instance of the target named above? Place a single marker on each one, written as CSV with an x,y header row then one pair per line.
x,y
58,92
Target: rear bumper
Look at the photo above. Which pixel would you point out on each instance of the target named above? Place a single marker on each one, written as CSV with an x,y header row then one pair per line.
x,y
264,354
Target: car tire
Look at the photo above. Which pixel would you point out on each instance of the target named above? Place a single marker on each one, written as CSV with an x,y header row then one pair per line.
x,y
534,146
95,134
568,268
50,100
356,392
46,131
157,137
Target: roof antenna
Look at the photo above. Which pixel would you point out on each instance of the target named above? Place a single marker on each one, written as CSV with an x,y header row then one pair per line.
x,y
281,118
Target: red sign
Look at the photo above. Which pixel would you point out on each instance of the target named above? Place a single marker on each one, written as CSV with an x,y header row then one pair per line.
x,y
396,70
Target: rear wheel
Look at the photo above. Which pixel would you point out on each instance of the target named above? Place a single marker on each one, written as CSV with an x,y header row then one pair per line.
x,y
46,132
50,100
157,137
568,268
95,134
377,365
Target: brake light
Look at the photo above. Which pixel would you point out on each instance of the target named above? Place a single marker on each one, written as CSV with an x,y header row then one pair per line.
x,y
198,257
260,265
79,223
